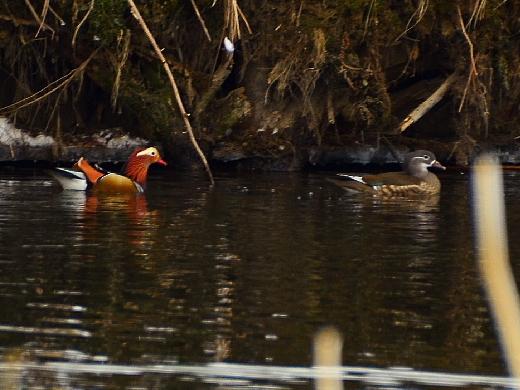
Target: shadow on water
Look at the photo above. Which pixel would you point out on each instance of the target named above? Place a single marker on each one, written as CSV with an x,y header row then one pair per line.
x,y
171,288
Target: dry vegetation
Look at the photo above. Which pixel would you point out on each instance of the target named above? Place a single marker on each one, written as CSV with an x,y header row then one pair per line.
x,y
303,74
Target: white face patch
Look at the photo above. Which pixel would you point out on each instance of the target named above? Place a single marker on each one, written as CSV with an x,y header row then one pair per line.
x,y
148,152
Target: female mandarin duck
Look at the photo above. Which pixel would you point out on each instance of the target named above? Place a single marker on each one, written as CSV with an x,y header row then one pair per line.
x,y
414,179
84,175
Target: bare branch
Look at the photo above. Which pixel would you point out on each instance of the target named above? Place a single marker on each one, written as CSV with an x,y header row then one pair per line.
x,y
37,18
199,16
123,56
473,71
75,35
44,15
49,89
184,114
426,106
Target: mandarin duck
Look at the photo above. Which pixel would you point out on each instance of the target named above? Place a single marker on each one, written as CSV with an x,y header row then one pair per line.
x,y
133,180
414,179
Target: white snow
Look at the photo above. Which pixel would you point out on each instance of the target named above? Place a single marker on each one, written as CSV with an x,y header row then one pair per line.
x,y
113,139
10,135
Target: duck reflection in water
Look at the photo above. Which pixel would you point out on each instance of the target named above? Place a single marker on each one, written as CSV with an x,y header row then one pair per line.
x,y
126,217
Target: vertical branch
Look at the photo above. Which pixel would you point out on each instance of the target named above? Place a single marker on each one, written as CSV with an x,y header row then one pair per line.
x,y
184,114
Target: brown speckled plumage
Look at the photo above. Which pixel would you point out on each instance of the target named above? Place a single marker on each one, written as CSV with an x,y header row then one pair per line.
x,y
413,180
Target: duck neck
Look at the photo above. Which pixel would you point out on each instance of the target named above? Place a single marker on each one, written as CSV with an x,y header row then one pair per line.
x,y
137,171
418,170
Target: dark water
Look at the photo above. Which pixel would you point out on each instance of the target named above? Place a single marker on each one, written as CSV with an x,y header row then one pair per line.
x,y
246,273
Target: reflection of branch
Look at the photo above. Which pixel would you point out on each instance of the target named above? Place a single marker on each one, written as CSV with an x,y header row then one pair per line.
x,y
136,14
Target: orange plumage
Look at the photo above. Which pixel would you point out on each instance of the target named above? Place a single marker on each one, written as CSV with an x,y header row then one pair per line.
x,y
132,181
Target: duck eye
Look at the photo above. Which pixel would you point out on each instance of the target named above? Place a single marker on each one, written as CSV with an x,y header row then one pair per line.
x,y
152,154
426,157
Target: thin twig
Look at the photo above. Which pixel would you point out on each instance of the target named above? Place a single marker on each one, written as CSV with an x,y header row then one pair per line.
x,y
75,35
62,22
199,16
298,15
44,15
367,21
500,5
473,71
40,22
121,61
418,15
184,114
47,90
478,12
244,19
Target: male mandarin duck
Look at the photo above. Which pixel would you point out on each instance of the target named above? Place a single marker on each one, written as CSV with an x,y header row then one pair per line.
x,y
415,178
133,180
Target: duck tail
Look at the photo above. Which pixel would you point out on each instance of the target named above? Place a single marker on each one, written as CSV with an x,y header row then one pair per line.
x,y
93,175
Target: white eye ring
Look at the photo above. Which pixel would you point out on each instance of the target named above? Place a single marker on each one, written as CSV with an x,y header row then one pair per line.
x,y
152,153
426,157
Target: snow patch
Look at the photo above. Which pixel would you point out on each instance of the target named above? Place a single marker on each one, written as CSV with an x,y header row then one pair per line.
x,y
10,135
114,140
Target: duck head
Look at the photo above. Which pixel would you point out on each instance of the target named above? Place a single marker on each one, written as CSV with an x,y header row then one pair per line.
x,y
139,161
417,163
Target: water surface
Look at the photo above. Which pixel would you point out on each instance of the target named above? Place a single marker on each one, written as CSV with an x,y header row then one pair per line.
x,y
246,272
